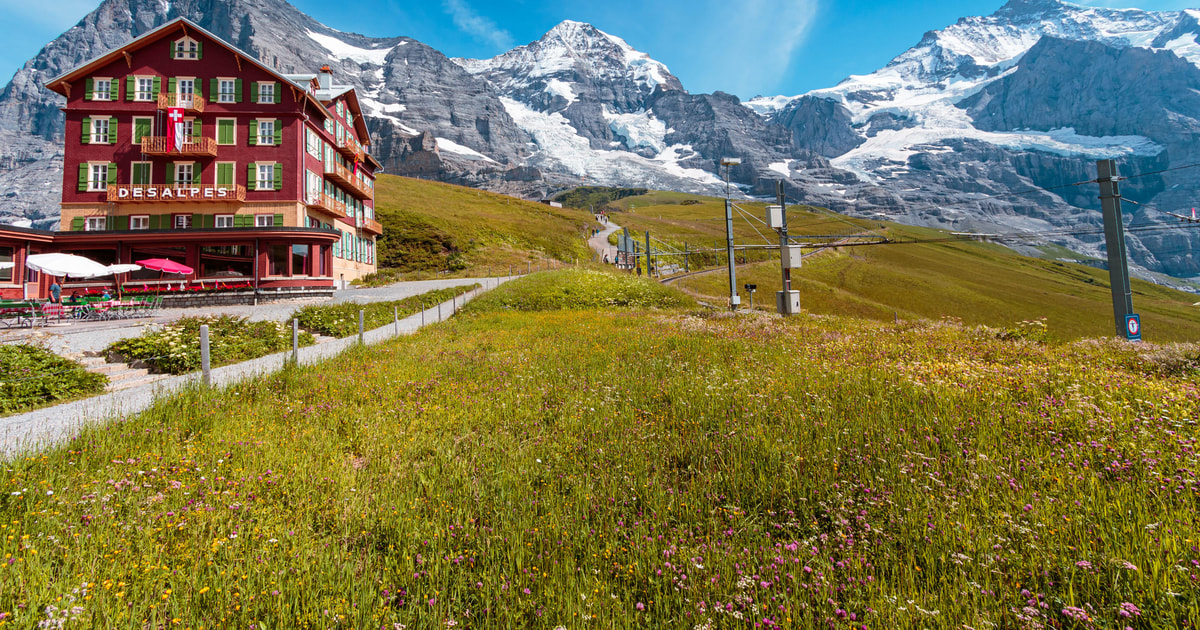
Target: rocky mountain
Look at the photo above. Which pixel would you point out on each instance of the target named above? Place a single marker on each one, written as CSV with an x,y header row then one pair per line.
x,y
952,133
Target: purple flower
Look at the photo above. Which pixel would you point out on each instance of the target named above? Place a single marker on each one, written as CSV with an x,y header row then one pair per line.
x,y
640,606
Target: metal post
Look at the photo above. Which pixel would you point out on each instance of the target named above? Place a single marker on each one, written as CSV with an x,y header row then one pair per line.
x,y
360,324
396,318
734,300
422,303
439,311
1114,237
205,359
649,265
296,341
687,259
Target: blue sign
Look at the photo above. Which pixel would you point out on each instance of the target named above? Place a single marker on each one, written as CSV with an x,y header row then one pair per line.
x,y
1133,327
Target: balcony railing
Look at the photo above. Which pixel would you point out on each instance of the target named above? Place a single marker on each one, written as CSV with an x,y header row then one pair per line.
x,y
161,145
372,226
190,102
346,178
327,204
350,148
161,193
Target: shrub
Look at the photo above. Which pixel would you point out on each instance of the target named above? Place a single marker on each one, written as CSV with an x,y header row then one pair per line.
x,y
175,349
34,376
579,289
341,320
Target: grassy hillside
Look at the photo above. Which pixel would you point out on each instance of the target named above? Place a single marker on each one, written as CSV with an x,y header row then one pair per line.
x,y
979,283
627,468
436,226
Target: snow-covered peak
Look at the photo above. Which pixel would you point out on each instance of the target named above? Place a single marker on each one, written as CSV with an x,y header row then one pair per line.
x,y
569,61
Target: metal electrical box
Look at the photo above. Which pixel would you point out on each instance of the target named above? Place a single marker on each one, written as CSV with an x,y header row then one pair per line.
x,y
787,302
790,257
775,217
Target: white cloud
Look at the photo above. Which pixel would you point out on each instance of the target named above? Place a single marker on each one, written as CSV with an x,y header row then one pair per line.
x,y
477,26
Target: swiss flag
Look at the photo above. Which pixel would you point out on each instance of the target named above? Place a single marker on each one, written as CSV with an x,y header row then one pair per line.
x,y
175,136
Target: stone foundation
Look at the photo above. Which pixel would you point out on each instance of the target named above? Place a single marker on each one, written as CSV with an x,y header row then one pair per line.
x,y
227,298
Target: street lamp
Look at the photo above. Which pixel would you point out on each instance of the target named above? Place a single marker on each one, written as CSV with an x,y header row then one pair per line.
x,y
734,300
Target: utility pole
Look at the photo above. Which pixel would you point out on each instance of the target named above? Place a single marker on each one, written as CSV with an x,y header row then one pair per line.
x,y
1114,237
787,301
734,299
648,265
783,245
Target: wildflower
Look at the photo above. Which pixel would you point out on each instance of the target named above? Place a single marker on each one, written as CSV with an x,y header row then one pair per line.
x,y
640,606
1129,610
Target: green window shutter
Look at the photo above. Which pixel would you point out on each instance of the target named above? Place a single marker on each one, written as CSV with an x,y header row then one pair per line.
x,y
130,87
77,224
141,129
196,170
252,134
112,130
278,93
83,176
157,85
278,222
122,223
197,131
114,90
87,131
254,92
209,221
88,88
170,175
225,129
171,85
112,173
214,88
278,132
251,177
197,219
141,173
198,88
172,49
225,175
237,91
154,222
199,49
278,176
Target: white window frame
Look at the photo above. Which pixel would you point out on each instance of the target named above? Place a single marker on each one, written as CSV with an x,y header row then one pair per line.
x,y
99,137
97,176
217,132
187,49
264,220
95,224
139,222
191,170
226,97
133,170
268,138
181,221
269,170
266,96
223,220
98,94
312,142
138,92
133,129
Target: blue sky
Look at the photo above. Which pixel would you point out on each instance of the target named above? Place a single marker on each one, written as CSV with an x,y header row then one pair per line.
x,y
746,48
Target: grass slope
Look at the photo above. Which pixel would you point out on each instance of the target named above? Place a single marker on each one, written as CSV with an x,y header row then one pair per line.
x,y
626,469
436,226
980,283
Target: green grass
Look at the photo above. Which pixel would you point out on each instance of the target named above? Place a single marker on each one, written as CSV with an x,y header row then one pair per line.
x,y
174,348
431,226
31,377
634,469
341,320
575,289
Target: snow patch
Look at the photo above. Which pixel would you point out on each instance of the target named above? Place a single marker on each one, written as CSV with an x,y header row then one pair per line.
x,y
449,146
767,105
339,50
640,130
781,168
561,88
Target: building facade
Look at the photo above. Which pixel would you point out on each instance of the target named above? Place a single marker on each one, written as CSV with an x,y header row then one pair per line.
x,y
180,146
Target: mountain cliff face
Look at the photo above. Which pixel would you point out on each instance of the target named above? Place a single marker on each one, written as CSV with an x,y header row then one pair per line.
x,y
1028,97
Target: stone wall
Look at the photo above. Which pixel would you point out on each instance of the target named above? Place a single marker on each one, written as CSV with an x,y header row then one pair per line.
x,y
226,298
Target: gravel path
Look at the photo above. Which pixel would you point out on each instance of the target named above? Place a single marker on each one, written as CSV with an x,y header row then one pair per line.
x,y
75,338
599,242
28,432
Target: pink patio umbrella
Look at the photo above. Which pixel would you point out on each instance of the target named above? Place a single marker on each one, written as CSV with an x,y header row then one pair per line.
x,y
165,266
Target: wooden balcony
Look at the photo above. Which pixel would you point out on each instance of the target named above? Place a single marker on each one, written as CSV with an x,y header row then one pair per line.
x,y
350,148
160,193
346,179
189,102
328,205
194,147
371,226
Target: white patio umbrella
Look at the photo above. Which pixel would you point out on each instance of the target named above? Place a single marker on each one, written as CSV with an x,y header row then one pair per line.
x,y
7,265
68,265
124,268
